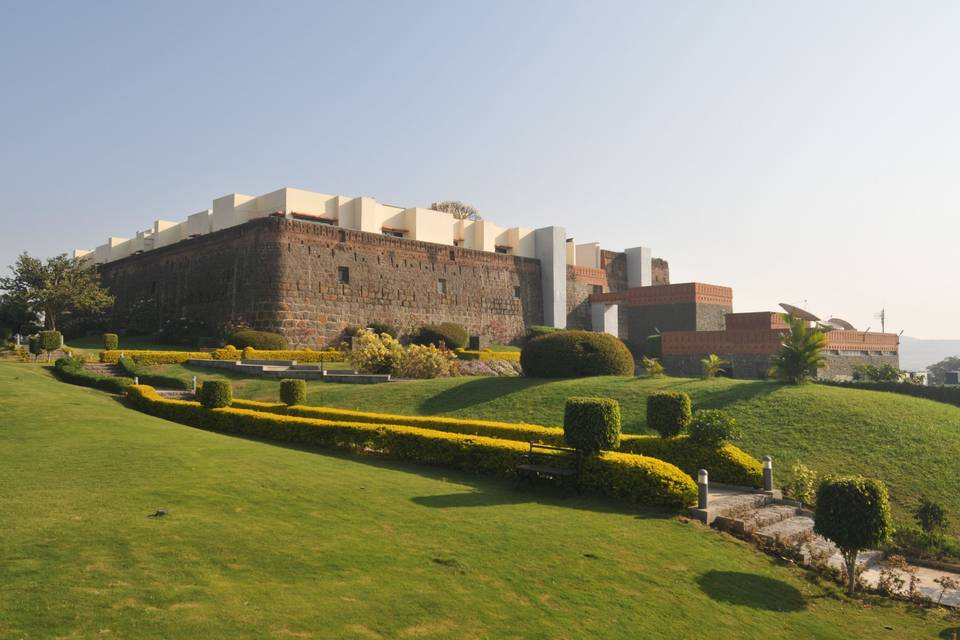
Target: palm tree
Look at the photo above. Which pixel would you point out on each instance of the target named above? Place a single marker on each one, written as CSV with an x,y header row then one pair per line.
x,y
713,366
801,352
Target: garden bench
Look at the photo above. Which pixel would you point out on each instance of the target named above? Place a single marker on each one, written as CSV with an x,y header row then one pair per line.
x,y
561,464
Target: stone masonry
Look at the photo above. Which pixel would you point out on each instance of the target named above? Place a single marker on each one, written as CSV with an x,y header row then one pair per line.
x,y
309,281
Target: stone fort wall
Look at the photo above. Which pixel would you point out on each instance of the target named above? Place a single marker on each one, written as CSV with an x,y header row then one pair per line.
x,y
309,281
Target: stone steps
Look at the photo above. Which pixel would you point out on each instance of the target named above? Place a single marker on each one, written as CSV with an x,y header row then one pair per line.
x,y
758,519
104,369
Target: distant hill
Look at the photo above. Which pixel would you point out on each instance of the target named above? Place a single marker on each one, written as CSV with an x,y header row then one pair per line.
x,y
917,355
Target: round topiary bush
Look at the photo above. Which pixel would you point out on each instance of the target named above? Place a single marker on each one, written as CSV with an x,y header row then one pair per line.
x,y
668,412
50,340
293,391
448,333
111,341
216,393
711,428
262,340
33,343
575,354
591,424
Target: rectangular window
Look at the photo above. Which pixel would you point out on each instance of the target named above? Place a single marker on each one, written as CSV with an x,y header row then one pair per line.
x,y
500,249
598,288
458,243
442,287
393,233
517,292
343,275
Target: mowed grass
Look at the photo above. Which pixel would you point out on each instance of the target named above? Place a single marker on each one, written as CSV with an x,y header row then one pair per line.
x,y
911,443
263,541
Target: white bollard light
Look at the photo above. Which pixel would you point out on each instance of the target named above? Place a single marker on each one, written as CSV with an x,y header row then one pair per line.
x,y
703,485
767,473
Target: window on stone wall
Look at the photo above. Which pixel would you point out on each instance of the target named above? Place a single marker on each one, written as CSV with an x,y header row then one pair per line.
x,y
517,292
598,288
343,275
502,249
442,286
393,233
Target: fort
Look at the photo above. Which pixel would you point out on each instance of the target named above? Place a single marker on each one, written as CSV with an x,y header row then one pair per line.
x,y
309,265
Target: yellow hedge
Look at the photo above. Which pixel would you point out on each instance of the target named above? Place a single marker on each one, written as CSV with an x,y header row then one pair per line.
x,y
154,357
637,478
728,464
486,354
226,353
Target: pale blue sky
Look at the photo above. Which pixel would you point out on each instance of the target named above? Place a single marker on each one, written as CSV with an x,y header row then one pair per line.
x,y
793,151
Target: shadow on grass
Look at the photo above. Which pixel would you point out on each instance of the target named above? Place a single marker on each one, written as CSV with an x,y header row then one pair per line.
x,y
750,590
950,633
721,398
476,392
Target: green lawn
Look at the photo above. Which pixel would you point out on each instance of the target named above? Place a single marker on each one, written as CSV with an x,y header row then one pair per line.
x,y
263,541
912,444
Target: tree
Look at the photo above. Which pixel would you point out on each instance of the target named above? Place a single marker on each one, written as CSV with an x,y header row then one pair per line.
x,y
17,316
801,352
60,286
931,516
938,372
457,209
713,366
854,514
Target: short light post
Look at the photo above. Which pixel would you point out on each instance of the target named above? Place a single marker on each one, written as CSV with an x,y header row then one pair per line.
x,y
767,473
136,379
703,485
194,385
121,355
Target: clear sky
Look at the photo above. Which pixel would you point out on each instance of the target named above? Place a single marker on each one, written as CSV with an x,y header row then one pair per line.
x,y
804,151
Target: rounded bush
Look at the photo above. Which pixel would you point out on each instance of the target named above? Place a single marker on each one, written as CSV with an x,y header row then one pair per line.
x,y
591,424
216,393
111,341
668,412
50,340
537,330
293,391
712,428
33,343
449,333
576,354
262,340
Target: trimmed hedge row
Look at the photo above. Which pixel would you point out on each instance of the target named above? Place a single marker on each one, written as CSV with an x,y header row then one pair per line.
x,y
728,464
71,371
132,369
637,478
153,357
465,354
226,353
946,393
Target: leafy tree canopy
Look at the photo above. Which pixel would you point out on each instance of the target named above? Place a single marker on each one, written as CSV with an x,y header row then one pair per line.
x,y
59,286
937,373
801,352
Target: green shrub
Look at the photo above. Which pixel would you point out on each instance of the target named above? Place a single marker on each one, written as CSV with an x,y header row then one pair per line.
x,y
134,369
71,370
576,354
802,485
931,516
713,427
448,333
293,391
854,514
668,412
33,343
537,330
263,340
592,424
652,366
216,393
50,340
111,341
727,463
636,478
5,333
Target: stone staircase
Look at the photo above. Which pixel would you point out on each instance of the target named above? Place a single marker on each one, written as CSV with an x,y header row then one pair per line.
x,y
104,369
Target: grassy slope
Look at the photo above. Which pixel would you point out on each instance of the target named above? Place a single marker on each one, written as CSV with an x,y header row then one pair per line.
x,y
270,542
910,443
